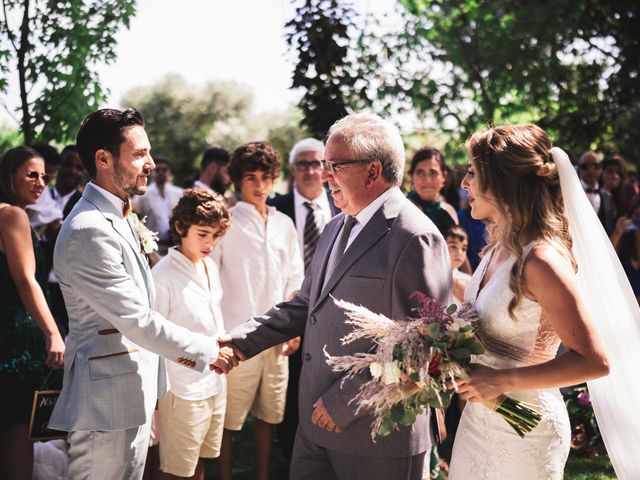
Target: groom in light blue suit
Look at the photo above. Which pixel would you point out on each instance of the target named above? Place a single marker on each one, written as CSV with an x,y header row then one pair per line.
x,y
113,372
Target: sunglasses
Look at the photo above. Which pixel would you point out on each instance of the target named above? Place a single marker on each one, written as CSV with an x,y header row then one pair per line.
x,y
587,166
35,176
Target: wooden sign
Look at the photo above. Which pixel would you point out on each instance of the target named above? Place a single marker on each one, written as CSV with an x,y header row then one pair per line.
x,y
43,403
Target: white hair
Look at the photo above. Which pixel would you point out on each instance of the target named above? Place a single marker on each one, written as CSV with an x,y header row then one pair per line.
x,y
370,137
305,145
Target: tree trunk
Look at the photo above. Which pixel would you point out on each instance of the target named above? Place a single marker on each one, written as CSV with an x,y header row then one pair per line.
x,y
22,75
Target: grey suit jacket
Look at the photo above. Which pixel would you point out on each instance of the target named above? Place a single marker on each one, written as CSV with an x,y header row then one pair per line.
x,y
112,373
399,252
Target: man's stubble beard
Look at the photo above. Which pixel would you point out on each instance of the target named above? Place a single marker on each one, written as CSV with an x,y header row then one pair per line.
x,y
129,184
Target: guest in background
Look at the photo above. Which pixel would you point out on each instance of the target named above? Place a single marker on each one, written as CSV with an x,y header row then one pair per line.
x,y
457,244
590,168
428,175
214,174
157,203
310,206
30,342
615,180
626,241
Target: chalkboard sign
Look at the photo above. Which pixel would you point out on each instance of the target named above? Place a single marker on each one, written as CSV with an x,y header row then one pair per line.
x,y
43,403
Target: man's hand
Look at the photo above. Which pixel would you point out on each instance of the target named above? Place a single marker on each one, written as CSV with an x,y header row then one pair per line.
x,y
226,360
228,357
290,347
322,419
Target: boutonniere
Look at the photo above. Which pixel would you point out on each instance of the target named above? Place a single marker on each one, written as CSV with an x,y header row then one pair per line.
x,y
148,239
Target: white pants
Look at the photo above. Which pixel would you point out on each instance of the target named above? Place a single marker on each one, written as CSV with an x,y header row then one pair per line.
x,y
113,455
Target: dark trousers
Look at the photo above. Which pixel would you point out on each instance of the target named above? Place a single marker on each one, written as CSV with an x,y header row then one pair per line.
x,y
313,462
287,429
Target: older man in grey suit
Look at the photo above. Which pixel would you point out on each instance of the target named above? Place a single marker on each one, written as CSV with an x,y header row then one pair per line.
x,y
377,253
113,375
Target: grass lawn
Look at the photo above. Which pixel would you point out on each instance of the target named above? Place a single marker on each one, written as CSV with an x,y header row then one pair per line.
x,y
578,468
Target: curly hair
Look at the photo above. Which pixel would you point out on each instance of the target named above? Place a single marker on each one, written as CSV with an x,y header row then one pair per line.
x,y
518,176
253,156
198,206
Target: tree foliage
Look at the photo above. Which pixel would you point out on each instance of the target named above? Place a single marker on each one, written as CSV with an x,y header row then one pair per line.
x,y
183,120
54,47
320,35
570,66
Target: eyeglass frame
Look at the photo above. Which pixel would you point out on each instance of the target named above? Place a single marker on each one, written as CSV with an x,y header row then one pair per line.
x,y
308,165
35,177
331,166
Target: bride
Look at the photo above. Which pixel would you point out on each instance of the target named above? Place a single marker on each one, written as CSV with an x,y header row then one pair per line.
x,y
535,288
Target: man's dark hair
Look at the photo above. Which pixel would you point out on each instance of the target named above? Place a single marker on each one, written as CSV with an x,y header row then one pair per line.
x,y
253,156
49,153
427,153
71,148
104,130
162,161
214,155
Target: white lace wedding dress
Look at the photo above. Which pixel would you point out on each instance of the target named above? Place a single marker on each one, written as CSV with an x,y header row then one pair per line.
x,y
486,447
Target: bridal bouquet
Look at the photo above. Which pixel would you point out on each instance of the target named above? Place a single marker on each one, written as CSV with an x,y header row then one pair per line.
x,y
414,362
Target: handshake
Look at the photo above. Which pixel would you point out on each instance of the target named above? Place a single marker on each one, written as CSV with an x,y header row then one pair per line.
x,y
229,356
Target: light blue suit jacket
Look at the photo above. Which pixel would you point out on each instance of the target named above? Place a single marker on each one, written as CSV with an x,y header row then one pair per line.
x,y
112,373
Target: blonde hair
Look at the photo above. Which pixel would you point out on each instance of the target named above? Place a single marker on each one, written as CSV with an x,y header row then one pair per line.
x,y
518,176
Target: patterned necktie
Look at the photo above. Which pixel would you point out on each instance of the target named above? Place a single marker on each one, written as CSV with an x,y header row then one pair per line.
x,y
311,233
337,252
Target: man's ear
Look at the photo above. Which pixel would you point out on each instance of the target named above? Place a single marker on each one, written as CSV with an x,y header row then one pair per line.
x,y
374,172
103,159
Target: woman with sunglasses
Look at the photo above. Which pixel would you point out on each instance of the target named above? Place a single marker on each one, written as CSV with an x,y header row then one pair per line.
x,y
30,342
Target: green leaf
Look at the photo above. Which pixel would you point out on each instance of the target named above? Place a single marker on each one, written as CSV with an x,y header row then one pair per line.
x,y
477,348
397,412
408,419
460,353
451,309
415,376
386,427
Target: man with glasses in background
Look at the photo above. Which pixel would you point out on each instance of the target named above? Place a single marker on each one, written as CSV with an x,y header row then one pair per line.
x,y
590,165
310,206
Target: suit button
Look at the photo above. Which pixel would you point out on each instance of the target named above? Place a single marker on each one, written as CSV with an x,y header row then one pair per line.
x,y
313,320
307,357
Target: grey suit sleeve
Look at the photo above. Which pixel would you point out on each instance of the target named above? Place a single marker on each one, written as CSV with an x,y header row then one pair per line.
x,y
94,269
424,266
281,323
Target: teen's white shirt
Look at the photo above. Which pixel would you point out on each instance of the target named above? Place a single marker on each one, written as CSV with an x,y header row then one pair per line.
x,y
190,299
260,263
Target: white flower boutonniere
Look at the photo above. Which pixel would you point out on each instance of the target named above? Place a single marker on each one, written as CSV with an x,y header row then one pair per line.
x,y
148,239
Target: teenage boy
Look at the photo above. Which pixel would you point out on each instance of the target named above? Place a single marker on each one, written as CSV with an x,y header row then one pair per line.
x,y
191,415
260,265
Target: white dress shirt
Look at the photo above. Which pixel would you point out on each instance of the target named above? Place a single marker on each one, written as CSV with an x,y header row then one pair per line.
x,y
157,208
191,299
199,184
367,213
49,207
594,198
323,216
260,263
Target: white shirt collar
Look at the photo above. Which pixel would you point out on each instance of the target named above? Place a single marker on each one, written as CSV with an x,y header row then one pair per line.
x,y
367,212
250,209
200,184
299,199
115,200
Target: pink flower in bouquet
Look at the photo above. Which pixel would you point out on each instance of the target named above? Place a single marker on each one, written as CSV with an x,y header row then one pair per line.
x,y
584,399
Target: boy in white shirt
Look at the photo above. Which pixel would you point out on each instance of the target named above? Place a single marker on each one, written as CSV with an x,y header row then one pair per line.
x,y
260,265
191,415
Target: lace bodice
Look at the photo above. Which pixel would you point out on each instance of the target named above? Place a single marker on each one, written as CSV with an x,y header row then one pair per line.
x,y
486,448
525,339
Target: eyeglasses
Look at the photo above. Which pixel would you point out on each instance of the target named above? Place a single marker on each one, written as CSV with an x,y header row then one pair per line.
x,y
35,176
308,165
587,166
335,167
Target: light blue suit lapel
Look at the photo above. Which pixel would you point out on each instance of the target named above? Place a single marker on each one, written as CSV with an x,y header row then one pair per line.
x,y
125,229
